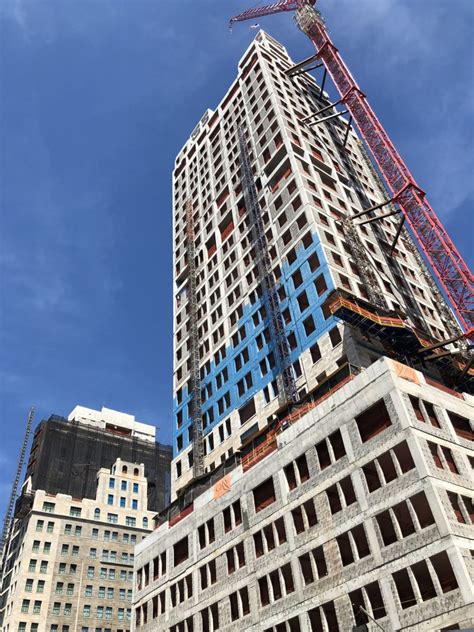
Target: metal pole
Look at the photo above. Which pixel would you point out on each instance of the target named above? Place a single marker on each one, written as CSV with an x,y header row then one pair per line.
x,y
328,118
374,219
323,83
397,235
372,208
346,135
324,109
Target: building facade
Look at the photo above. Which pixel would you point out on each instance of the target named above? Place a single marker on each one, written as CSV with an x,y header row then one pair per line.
x,y
358,517
84,505
309,184
70,561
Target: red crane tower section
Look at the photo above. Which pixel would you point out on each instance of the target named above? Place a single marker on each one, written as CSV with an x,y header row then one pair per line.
x,y
451,271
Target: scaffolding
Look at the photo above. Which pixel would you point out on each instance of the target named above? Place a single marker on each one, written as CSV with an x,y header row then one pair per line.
x,y
194,370
287,390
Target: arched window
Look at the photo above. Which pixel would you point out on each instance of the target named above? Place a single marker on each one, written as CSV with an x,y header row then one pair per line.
x,y
136,471
124,469
145,522
96,513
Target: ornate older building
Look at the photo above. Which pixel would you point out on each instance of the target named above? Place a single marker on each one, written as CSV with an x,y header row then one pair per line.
x,y
68,565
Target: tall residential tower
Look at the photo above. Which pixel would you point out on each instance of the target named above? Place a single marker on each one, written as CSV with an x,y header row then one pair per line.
x,y
332,434
310,182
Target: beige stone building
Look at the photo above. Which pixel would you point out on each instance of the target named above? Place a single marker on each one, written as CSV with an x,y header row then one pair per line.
x,y
69,564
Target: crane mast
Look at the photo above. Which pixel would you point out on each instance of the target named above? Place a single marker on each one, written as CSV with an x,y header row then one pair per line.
x,y
451,272
7,523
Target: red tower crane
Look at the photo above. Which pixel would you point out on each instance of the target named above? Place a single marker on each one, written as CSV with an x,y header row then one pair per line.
x,y
452,273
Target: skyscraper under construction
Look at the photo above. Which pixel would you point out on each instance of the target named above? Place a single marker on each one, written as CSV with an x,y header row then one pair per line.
x,y
302,245
323,446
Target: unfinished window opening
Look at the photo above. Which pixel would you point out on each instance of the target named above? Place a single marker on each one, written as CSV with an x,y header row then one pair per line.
x,y
430,411
258,544
388,468
371,476
287,578
415,402
373,421
264,592
348,490
306,569
309,325
444,571
424,581
323,455
281,531
230,561
404,589
203,577
360,539
297,515
333,499
313,262
375,599
181,551
320,561
386,528
290,475
404,520
247,411
461,426
310,511
234,606
454,499
264,495
335,439
404,457
315,353
448,455
320,284
335,336
303,470
275,582
422,509
303,302
269,537
324,618
345,550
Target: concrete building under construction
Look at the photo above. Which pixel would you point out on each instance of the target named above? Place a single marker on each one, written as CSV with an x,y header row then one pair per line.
x,y
323,446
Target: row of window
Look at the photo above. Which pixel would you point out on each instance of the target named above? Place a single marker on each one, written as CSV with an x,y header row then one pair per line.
x,y
122,501
112,518
124,484
420,582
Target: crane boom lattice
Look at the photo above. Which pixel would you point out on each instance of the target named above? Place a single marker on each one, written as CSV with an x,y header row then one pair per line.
x,y
16,481
195,381
452,273
288,392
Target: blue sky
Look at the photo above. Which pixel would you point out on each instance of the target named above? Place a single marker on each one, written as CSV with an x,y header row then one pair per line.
x,y
97,97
